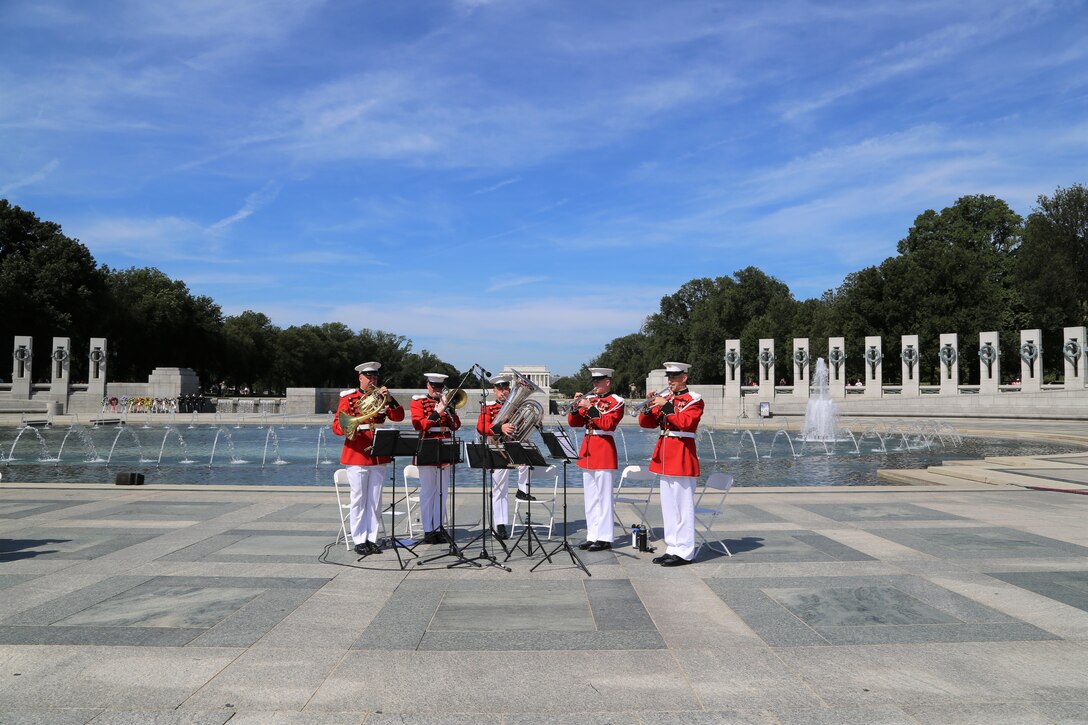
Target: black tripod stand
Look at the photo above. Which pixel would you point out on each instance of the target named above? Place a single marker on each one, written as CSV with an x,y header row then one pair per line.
x,y
443,452
487,459
525,454
393,443
565,453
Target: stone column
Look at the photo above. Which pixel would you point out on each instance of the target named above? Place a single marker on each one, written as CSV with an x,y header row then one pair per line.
x,y
949,363
1074,354
59,370
1031,361
874,366
989,363
96,368
910,357
733,372
766,369
836,367
21,377
801,368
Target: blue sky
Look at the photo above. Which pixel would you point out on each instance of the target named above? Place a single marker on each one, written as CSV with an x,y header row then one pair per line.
x,y
513,182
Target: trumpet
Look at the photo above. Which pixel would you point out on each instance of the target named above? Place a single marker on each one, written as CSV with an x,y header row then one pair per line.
x,y
636,410
574,404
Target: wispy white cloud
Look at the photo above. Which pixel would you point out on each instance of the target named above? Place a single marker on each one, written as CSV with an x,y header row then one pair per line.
x,y
496,187
500,283
254,201
31,179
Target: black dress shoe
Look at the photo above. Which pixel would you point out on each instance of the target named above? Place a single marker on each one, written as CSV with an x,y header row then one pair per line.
x,y
659,559
675,561
500,532
443,536
599,546
374,548
586,544
430,537
361,549
522,496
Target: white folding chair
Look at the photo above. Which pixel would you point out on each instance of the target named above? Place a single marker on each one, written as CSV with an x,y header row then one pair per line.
x,y
545,501
340,478
709,505
411,496
641,502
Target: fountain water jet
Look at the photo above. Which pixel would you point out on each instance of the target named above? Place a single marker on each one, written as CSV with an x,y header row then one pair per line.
x,y
821,413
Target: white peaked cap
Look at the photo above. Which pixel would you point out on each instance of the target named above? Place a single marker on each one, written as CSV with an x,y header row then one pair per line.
x,y
675,367
370,367
435,378
601,372
501,378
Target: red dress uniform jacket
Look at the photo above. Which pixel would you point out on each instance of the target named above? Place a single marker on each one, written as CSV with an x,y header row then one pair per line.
x,y
674,454
598,451
487,414
355,449
429,423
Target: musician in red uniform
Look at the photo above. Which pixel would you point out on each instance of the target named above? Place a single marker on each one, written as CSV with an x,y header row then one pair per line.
x,y
599,412
500,507
433,419
677,413
365,472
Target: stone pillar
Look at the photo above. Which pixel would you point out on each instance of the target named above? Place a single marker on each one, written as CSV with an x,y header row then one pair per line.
x,y
1031,360
874,366
766,369
96,368
733,372
910,357
1074,354
21,377
989,363
836,367
802,368
59,370
949,364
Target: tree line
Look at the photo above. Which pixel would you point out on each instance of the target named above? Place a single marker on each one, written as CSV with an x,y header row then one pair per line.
x,y
51,285
974,266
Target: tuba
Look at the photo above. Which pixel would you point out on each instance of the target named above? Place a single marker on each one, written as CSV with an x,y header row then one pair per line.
x,y
518,409
366,407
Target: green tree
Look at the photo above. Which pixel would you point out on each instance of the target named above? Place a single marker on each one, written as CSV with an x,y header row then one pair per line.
x,y
50,285
155,321
1052,267
250,341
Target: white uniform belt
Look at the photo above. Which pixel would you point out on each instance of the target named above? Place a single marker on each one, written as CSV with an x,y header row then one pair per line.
x,y
437,429
594,432
676,434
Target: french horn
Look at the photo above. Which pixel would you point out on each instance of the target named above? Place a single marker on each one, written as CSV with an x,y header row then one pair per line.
x,y
366,407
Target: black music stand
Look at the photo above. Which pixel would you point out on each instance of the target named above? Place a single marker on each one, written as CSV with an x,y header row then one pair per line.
x,y
394,443
487,458
526,454
562,449
434,451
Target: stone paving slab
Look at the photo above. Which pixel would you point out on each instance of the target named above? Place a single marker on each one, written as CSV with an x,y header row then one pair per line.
x,y
837,606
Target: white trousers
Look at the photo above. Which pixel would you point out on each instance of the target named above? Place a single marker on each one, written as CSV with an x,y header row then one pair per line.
x,y
597,491
500,504
434,492
678,514
366,501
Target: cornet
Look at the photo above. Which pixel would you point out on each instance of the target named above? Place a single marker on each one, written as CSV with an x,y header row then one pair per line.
x,y
574,404
636,410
